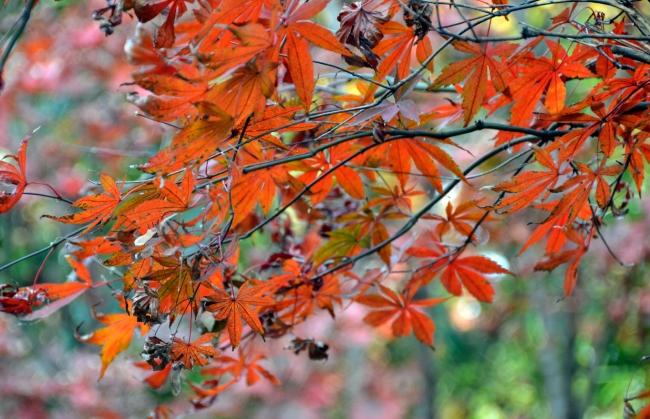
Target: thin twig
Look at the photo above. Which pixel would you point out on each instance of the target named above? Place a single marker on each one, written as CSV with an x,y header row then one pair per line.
x,y
24,18
52,245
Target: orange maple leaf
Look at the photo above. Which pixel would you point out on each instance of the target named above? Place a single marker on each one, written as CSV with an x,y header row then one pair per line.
x,y
177,199
96,246
158,378
581,186
97,209
114,338
459,218
264,182
245,364
301,303
551,261
398,198
401,46
255,39
195,142
346,177
226,305
528,186
246,91
173,96
424,155
555,226
193,353
469,271
408,316
299,61
175,285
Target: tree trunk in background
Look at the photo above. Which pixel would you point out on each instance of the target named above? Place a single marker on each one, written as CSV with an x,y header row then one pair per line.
x,y
556,353
426,360
428,368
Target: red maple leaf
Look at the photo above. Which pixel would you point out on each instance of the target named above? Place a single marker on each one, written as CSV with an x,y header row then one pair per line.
x,y
477,69
9,175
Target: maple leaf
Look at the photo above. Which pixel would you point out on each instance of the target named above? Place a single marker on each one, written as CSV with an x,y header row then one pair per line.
x,y
343,242
161,412
401,152
246,91
96,209
264,181
175,286
605,121
580,188
528,186
399,198
387,110
359,28
458,218
448,113
20,301
544,74
401,46
371,224
165,34
227,306
346,177
115,337
140,51
605,63
195,142
276,119
173,95
208,390
245,364
301,68
254,40
9,175
551,261
636,151
556,226
469,270
195,353
625,87
96,246
158,377
358,24
300,64
64,293
409,318
315,34
177,199
476,69
320,293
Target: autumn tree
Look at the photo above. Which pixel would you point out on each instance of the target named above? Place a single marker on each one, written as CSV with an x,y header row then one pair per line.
x,y
319,142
